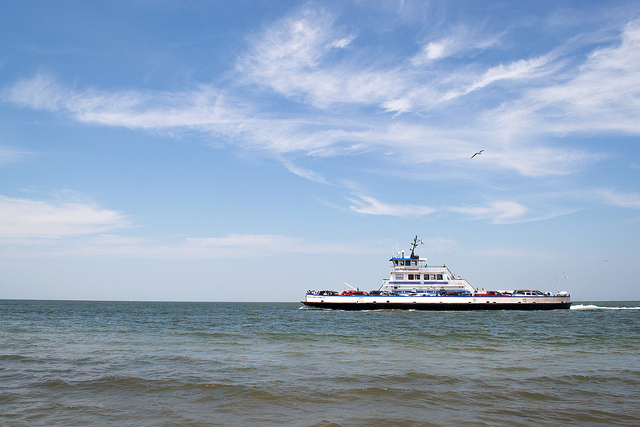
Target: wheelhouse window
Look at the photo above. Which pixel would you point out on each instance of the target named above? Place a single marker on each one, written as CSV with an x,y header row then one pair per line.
x,y
439,276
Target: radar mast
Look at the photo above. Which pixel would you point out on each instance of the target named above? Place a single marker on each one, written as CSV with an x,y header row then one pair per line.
x,y
413,247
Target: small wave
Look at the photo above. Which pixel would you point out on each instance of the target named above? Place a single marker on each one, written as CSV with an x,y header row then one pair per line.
x,y
20,358
13,357
599,307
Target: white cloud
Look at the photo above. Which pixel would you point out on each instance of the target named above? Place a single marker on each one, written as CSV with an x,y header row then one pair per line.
x,y
459,41
343,42
371,206
292,57
206,110
303,172
601,95
399,105
533,161
434,50
29,219
500,212
622,200
518,70
200,107
40,92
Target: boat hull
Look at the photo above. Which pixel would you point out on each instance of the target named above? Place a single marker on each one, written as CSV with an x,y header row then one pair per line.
x,y
449,303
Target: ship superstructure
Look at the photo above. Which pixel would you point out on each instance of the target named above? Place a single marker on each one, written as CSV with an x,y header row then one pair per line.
x,y
413,276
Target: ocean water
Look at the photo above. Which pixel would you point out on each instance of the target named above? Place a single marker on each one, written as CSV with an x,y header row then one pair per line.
x,y
154,363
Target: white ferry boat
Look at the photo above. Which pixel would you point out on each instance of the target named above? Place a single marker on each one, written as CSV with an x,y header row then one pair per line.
x,y
416,285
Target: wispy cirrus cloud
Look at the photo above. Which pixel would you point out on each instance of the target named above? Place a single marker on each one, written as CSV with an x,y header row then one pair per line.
x,y
35,219
518,70
204,109
432,51
499,212
371,206
459,41
295,57
619,199
601,95
41,92
304,172
201,107
207,110
305,57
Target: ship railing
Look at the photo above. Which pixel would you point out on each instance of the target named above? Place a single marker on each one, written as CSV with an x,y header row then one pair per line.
x,y
435,268
426,269
463,283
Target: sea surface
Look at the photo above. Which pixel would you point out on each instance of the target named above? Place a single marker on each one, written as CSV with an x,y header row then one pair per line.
x,y
237,364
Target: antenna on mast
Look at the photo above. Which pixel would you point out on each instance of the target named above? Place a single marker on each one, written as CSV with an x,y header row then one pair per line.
x,y
413,247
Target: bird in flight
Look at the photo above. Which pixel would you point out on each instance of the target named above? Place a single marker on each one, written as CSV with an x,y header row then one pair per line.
x,y
475,154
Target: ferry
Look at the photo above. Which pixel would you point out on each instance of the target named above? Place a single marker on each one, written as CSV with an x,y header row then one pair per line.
x,y
414,284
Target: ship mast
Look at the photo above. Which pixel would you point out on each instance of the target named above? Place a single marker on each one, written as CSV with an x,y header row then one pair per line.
x,y
413,247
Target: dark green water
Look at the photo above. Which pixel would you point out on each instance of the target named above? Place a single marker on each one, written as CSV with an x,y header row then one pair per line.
x,y
136,363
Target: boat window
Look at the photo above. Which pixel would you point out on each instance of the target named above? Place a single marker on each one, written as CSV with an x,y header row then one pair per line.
x,y
439,276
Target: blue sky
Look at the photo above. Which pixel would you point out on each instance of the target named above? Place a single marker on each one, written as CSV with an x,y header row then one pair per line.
x,y
251,150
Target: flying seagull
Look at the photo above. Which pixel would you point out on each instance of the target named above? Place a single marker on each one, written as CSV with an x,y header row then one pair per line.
x,y
479,152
